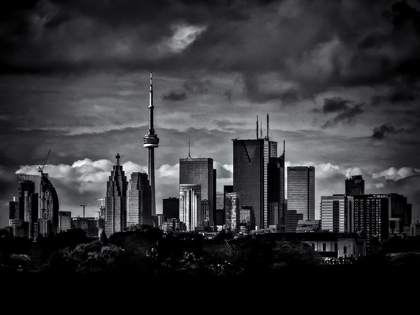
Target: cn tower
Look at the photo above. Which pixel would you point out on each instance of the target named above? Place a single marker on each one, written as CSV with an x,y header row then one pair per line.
x,y
151,141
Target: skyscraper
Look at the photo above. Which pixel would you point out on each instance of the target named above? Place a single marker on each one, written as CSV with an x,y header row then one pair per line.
x,y
48,220
116,200
151,141
301,190
190,206
251,176
276,191
139,211
355,185
199,171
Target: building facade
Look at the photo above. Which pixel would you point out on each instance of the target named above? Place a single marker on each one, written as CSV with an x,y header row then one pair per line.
x,y
116,200
301,190
49,207
190,206
170,207
139,201
64,221
199,171
369,217
355,185
251,158
334,213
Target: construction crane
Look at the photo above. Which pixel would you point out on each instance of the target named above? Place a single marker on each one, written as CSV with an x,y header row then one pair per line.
x,y
41,167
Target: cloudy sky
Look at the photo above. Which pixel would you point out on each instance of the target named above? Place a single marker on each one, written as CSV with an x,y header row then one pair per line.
x,y
340,81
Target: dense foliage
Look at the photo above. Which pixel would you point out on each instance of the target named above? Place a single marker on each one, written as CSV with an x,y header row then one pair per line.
x,y
150,251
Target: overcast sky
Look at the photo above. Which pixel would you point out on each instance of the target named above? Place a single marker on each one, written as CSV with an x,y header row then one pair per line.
x,y
340,81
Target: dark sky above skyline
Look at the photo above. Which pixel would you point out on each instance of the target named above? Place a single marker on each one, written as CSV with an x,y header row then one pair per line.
x,y
340,81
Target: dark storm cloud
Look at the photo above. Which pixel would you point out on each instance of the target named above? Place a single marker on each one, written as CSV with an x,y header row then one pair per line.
x,y
382,131
315,43
197,86
398,95
259,93
175,96
344,109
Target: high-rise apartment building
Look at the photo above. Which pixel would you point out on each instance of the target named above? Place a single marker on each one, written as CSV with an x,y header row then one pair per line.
x,y
301,190
199,171
334,213
139,202
190,206
251,159
369,216
116,200
276,191
355,185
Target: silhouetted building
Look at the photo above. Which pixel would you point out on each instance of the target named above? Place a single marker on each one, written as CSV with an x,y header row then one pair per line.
x,y
251,176
190,206
116,200
308,226
170,207
369,217
400,213
276,191
199,171
220,209
355,185
87,224
292,219
139,209
301,190
64,221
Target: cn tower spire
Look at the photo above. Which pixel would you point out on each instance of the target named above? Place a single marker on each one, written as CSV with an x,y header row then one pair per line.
x,y
151,141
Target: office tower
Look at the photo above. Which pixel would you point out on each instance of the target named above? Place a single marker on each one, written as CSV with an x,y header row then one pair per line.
x,y
139,197
276,191
355,185
116,200
334,213
64,221
87,224
49,207
232,215
251,175
369,217
220,209
151,141
199,171
301,190
171,207
190,206
13,212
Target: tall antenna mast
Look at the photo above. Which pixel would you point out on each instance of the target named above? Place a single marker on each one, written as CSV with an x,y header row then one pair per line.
x,y
261,135
267,128
257,126
189,149
151,141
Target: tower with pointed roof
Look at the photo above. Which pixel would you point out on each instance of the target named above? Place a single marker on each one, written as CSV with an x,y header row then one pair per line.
x,y
116,200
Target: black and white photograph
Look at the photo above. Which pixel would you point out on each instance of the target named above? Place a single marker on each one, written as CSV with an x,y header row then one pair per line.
x,y
260,142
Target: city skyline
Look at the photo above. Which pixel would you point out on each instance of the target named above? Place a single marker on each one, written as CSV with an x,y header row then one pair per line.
x,y
340,81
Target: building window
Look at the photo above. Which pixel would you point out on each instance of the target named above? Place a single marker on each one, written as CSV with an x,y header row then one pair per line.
x,y
324,247
335,247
